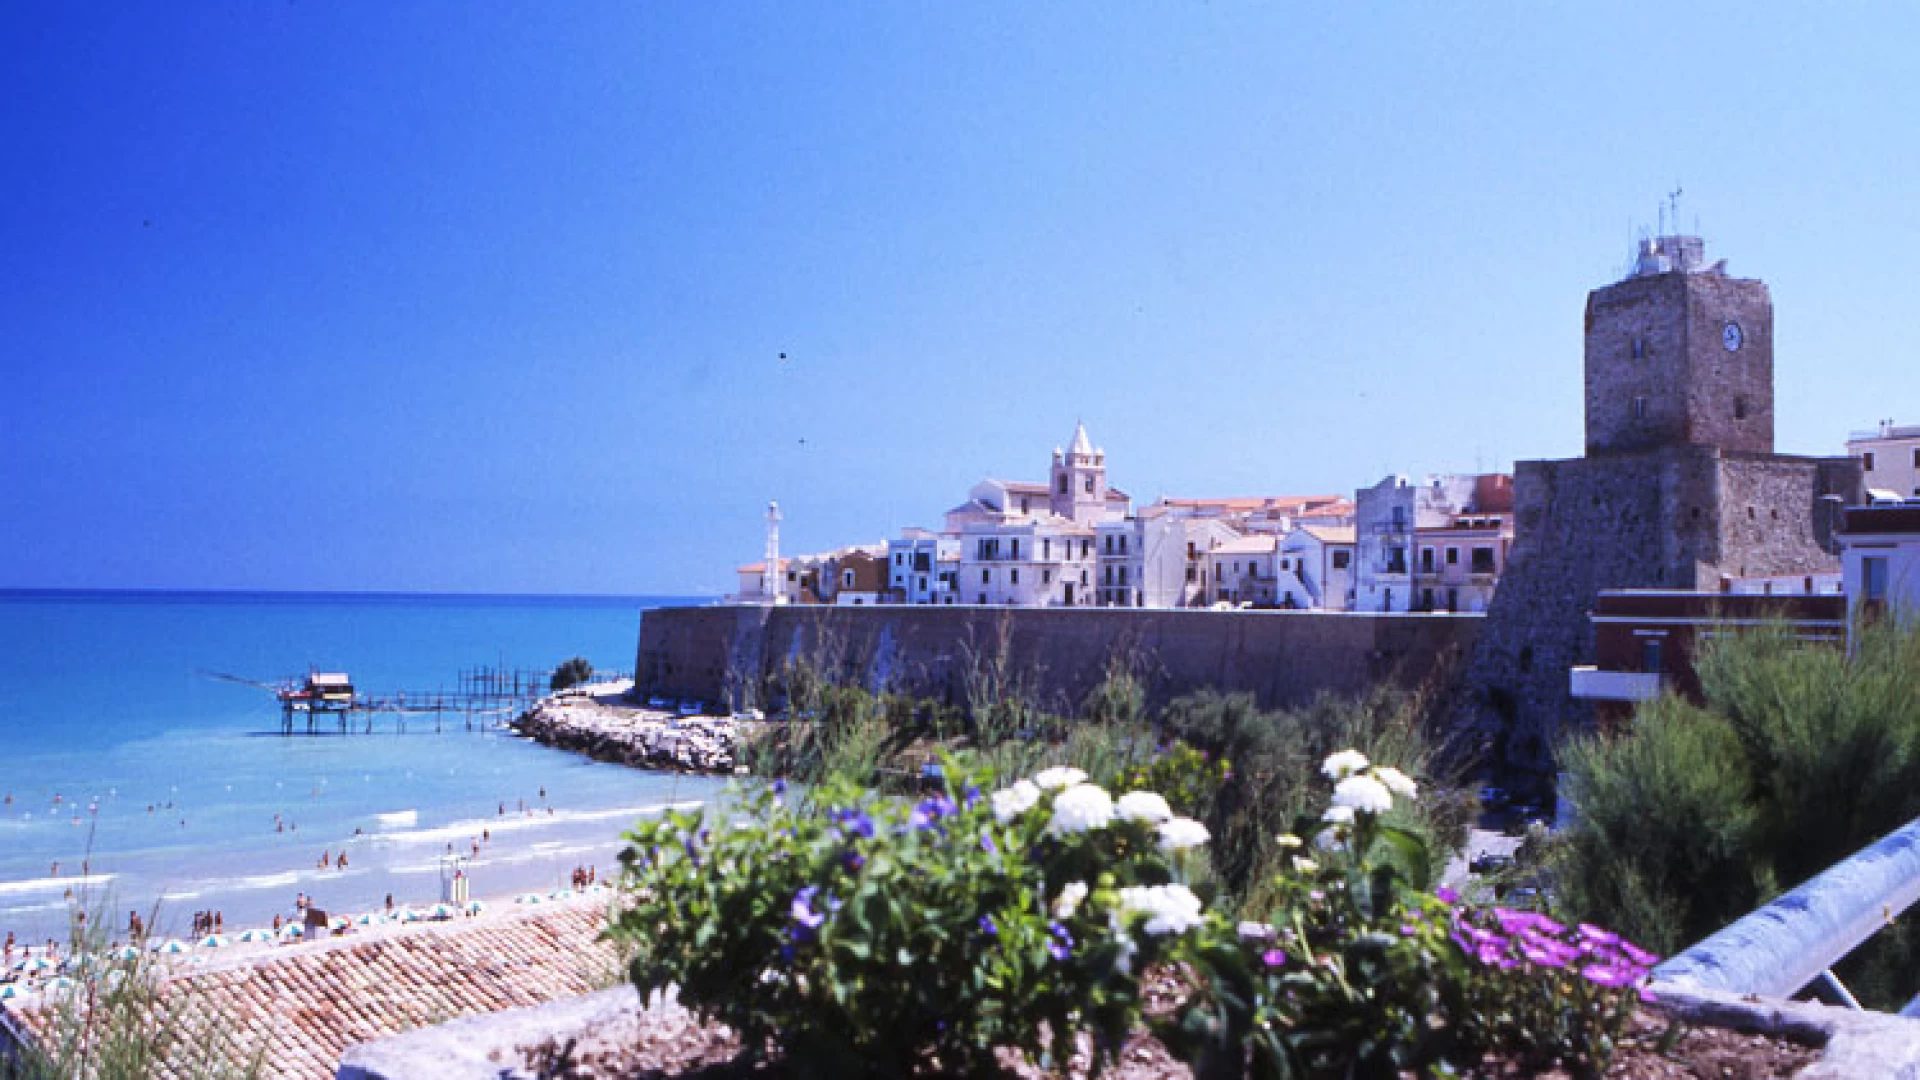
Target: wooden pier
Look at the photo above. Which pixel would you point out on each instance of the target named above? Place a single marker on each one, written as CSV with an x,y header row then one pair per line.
x,y
328,702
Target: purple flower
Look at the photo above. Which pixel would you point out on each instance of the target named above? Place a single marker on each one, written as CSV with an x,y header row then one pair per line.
x,y
806,919
853,860
988,926
1061,946
986,843
1637,954
786,954
779,787
973,795
1273,958
854,821
1607,975
930,810
1447,895
1598,936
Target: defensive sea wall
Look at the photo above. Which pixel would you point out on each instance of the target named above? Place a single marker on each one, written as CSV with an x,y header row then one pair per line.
x,y
726,654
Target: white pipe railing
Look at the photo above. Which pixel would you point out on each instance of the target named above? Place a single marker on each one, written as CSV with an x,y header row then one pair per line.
x,y
1798,937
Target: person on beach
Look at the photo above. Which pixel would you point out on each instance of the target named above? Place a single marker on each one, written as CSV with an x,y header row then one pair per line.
x,y
341,862
219,922
276,922
389,901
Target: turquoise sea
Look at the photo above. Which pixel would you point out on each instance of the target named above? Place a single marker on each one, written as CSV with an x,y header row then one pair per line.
x,y
151,784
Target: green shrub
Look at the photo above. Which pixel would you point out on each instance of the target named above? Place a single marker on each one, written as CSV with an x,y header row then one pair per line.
x,y
872,936
572,673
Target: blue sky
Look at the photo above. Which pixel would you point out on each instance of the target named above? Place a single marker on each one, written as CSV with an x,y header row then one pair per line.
x,y
493,297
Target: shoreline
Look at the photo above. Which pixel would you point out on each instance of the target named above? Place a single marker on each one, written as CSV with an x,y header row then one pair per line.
x,y
603,722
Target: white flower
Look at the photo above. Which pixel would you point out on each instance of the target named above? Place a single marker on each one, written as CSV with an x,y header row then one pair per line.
x,y
1170,909
1061,777
1255,931
1304,867
1343,764
1182,833
1069,899
1330,840
1010,803
1143,806
1338,815
1363,793
1287,840
1079,808
1397,782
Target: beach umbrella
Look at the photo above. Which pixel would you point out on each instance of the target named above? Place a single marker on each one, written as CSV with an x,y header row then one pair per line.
x,y
215,941
475,907
527,898
559,894
408,914
292,930
33,965
339,922
365,919
442,911
125,952
11,991
170,947
256,934
59,984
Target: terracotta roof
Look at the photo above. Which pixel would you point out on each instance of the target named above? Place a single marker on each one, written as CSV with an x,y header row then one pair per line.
x,y
1248,545
1283,504
303,1005
1330,534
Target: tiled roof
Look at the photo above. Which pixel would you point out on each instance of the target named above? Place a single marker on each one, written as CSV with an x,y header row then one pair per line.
x,y
1330,534
1247,545
304,1005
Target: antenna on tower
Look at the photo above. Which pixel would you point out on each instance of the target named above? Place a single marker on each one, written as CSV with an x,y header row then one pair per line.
x,y
1673,206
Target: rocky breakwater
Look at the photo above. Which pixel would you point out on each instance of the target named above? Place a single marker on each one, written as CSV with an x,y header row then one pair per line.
x,y
604,723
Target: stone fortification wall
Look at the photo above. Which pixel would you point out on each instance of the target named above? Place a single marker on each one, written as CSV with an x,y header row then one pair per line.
x,y
1675,518
725,653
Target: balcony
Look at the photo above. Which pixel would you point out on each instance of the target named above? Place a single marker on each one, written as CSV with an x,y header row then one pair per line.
x,y
1592,684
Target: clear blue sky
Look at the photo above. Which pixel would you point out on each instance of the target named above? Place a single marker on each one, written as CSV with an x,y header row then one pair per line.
x,y
492,297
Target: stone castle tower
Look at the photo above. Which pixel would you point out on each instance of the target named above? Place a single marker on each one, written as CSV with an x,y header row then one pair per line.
x,y
1679,487
1078,485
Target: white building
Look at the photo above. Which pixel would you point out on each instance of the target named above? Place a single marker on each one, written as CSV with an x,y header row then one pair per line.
x,y
1880,559
1405,533
1320,557
923,567
1889,460
1027,562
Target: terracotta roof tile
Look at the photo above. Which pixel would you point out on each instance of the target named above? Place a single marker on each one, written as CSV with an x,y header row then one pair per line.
x,y
306,1004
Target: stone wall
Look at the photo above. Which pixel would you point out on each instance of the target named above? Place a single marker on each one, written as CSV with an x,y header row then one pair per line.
x,y
723,654
1675,518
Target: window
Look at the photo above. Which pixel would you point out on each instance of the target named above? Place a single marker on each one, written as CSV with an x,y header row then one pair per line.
x,y
1426,599
986,577
1063,483
920,583
1086,548
1873,578
1341,558
1739,408
1396,560
1089,485
1023,504
1016,547
1640,408
1916,457
1108,579
1013,576
982,600
1123,545
899,558
1123,575
1046,577
1639,348
1426,562
846,579
1482,560
1046,547
1192,554
922,561
1866,460
1453,556
1083,579
1651,659
1106,544
1190,575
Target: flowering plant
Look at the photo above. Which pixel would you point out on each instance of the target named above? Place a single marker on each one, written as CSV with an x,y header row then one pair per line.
x,y
862,933
1360,971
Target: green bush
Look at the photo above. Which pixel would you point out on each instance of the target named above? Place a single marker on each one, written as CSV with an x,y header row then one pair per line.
x,y
572,673
881,937
1802,755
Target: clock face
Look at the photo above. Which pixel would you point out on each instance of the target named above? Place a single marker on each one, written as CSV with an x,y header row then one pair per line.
x,y
1730,336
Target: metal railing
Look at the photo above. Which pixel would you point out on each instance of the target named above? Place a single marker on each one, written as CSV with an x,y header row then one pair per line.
x,y
1779,949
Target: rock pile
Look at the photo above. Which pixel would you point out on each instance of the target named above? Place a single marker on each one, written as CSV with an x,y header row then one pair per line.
x,y
602,723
